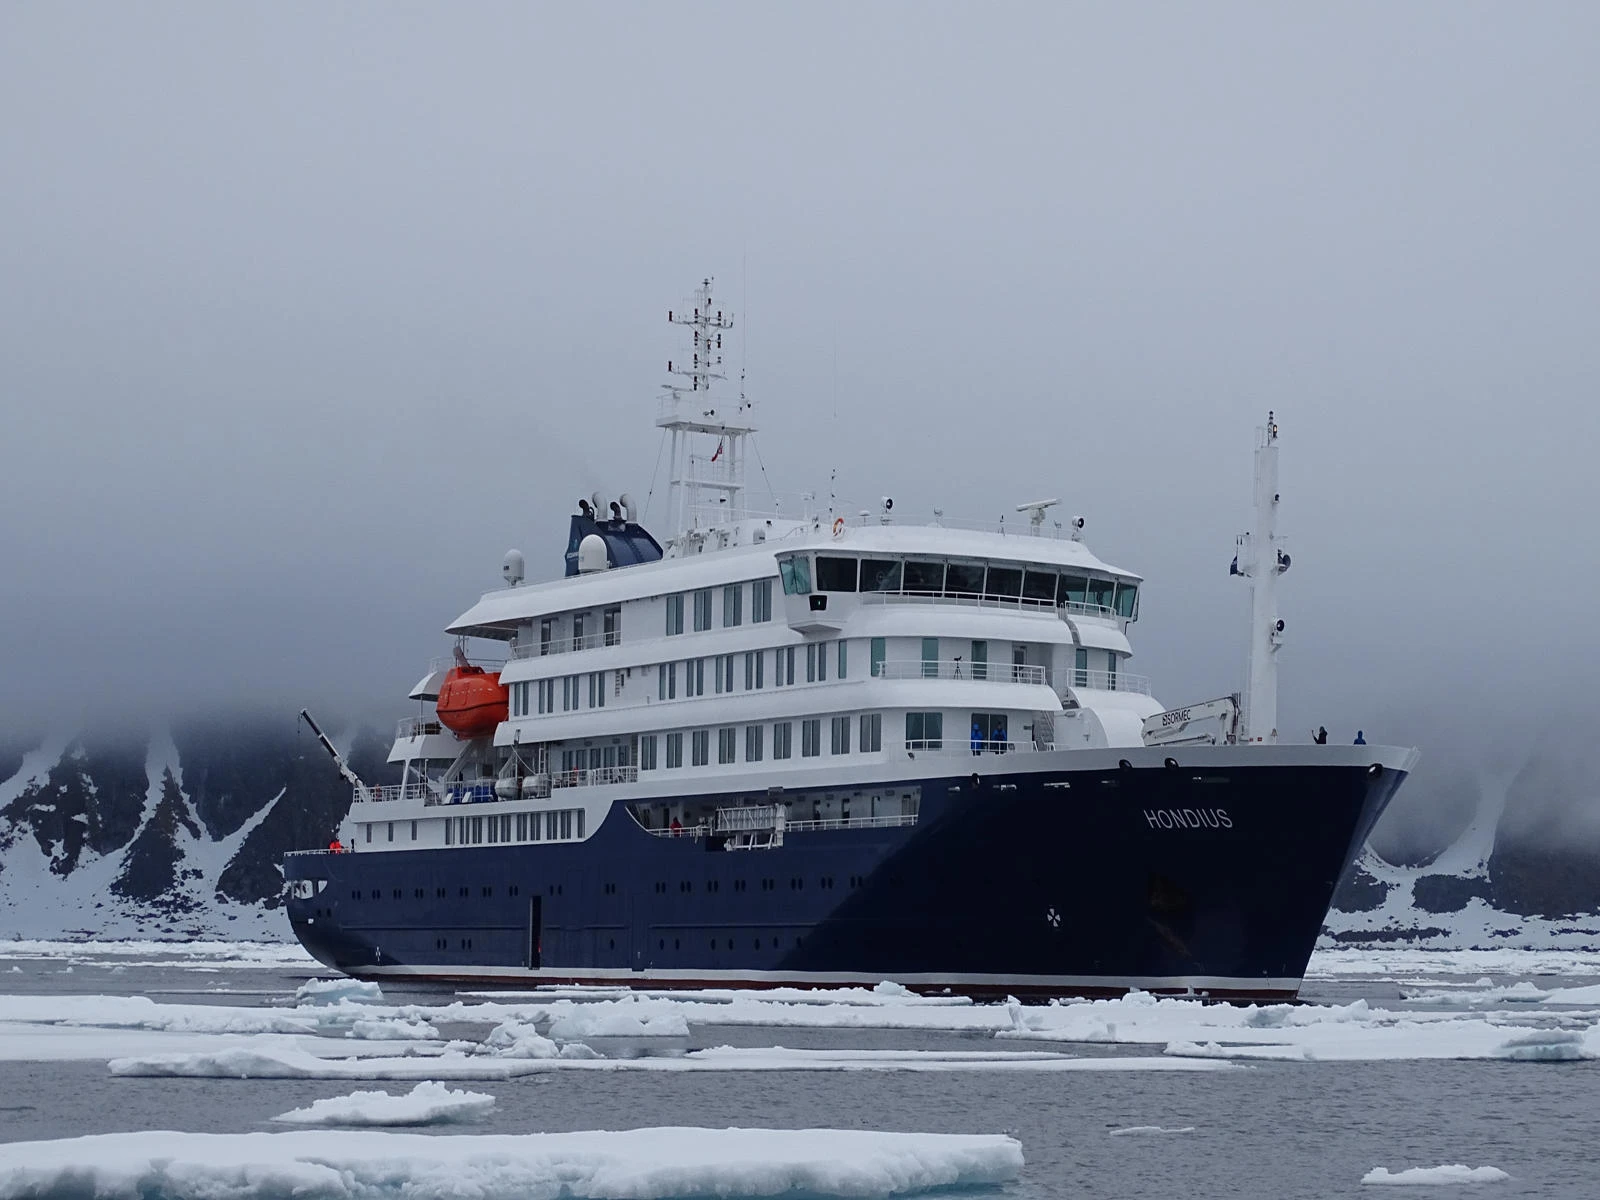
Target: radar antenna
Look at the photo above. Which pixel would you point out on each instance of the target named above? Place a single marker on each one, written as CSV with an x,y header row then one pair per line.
x,y
1036,510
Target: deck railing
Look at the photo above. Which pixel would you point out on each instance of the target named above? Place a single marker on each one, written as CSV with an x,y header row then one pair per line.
x,y
955,668
589,641
413,727
1108,681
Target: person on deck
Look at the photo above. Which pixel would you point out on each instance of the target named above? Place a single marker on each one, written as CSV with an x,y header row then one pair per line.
x,y
1361,738
1320,737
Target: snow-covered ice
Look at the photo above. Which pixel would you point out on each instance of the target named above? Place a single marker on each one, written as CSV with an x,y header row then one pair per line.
x,y
575,1025
429,1103
643,1164
1451,1173
290,1062
338,991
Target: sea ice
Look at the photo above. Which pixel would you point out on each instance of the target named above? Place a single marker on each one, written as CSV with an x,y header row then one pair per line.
x,y
1452,1173
429,1103
617,1023
338,991
391,1029
288,1062
1133,1130
641,1164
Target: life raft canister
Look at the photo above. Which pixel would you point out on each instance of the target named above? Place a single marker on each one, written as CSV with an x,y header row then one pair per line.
x,y
472,701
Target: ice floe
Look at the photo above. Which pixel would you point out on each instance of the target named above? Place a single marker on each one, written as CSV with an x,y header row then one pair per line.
x,y
574,1025
338,991
1139,1130
1451,1173
429,1103
289,1062
1349,1032
642,1164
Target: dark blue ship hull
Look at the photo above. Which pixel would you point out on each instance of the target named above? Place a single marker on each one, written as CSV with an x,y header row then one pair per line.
x,y
1210,878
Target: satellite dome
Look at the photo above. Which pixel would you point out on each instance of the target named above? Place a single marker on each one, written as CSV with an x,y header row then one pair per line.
x,y
592,554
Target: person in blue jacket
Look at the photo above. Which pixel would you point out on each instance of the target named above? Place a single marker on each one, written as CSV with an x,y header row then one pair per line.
x,y
1361,739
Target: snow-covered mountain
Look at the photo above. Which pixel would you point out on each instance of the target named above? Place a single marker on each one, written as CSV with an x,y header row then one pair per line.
x,y
175,834
180,834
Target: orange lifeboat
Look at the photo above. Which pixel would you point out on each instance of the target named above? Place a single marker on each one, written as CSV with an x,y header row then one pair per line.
x,y
472,701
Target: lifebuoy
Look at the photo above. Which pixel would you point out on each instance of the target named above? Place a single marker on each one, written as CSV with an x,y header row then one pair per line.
x,y
838,526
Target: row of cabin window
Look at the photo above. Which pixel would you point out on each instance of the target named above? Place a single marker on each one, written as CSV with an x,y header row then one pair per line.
x,y
391,825
541,693
732,606
960,579
818,656
869,726
561,825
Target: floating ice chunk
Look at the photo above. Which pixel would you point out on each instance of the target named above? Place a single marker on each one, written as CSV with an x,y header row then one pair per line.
x,y
1545,1045
391,1029
642,1164
429,1103
1133,1130
896,990
338,991
512,1039
1452,1173
617,1023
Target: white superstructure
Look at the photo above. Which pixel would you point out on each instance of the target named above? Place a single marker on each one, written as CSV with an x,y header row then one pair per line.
x,y
833,656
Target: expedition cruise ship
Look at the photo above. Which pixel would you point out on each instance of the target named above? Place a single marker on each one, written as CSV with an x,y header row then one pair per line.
x,y
836,748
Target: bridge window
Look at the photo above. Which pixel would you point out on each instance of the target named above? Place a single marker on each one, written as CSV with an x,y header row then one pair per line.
x,y
1040,586
964,579
1003,583
795,573
880,574
1127,601
836,574
924,578
1074,590
1101,590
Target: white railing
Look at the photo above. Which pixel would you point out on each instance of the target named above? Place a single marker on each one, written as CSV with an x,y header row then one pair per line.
x,y
400,791
1010,603
957,669
445,661
959,746
1108,681
594,776
414,727
589,641
815,826
704,829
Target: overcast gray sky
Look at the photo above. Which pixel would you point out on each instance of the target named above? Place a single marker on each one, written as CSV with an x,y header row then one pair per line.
x,y
308,312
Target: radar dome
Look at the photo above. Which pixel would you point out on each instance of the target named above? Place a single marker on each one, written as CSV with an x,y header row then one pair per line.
x,y
512,569
592,554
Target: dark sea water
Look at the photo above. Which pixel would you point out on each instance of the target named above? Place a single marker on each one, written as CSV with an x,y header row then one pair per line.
x,y
1274,1129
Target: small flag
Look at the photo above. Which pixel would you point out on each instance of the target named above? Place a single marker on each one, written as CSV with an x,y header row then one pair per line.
x,y
718,452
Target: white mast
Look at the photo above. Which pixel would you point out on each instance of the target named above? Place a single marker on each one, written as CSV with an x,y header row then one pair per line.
x,y
707,472
1261,560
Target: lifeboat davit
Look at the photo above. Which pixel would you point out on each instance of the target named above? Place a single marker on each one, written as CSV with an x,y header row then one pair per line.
x,y
472,701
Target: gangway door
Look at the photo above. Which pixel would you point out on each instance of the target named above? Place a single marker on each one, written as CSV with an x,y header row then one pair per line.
x,y
1209,723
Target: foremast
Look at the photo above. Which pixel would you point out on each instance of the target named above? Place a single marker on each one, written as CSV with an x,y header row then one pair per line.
x,y
706,481
1260,558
